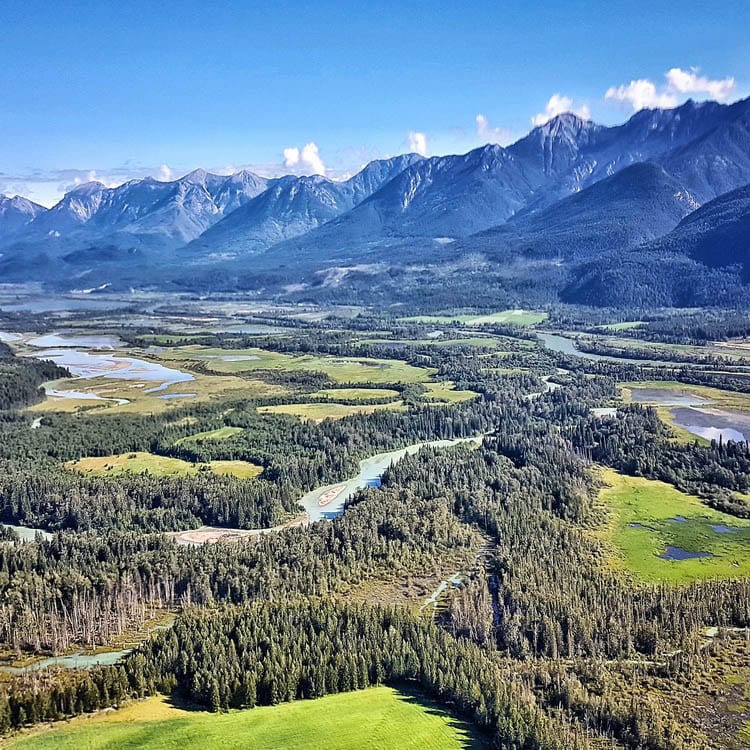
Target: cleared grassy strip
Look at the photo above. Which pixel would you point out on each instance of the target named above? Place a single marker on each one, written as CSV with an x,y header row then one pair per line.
x,y
240,469
356,394
160,466
325,410
222,433
517,317
626,326
645,517
342,370
371,719
487,341
445,392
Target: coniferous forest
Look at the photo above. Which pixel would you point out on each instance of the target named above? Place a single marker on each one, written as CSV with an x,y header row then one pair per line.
x,y
544,640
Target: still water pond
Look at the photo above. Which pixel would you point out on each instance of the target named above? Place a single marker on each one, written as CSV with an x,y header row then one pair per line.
x,y
713,424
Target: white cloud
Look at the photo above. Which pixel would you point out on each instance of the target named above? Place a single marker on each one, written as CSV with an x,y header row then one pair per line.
x,y
690,82
640,94
306,160
487,134
165,173
557,105
417,142
680,84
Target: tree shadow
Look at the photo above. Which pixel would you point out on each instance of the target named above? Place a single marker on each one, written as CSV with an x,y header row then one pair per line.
x,y
472,737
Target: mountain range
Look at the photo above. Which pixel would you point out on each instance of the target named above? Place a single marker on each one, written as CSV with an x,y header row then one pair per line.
x,y
571,203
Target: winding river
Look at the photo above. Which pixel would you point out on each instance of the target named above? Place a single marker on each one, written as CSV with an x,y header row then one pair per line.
x,y
334,496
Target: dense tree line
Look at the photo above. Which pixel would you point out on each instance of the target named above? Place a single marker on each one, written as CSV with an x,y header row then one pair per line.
x,y
21,378
269,653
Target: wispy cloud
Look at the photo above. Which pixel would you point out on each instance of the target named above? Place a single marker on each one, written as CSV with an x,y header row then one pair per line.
x,y
305,160
679,85
417,142
558,105
488,134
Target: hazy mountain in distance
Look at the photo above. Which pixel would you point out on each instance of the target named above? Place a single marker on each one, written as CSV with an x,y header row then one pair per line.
x,y
450,197
293,206
16,213
174,212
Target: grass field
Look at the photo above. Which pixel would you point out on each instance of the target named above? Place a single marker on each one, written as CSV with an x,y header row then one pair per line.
x,y
328,410
517,317
160,466
222,433
646,516
626,326
444,391
341,370
364,720
357,394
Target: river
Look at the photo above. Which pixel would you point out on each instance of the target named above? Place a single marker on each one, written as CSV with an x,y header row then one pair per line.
x,y
370,471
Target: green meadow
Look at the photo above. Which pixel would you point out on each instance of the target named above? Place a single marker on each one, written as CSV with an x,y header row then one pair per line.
x,y
339,369
517,317
222,433
327,409
645,517
161,466
369,719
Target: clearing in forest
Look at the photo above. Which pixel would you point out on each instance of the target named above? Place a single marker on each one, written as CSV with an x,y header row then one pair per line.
x,y
662,534
328,410
221,433
368,719
516,317
339,369
138,462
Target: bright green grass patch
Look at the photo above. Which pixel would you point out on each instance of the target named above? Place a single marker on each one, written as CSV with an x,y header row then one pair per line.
x,y
626,326
357,394
222,433
160,466
657,508
444,391
326,410
239,469
517,317
369,719
342,370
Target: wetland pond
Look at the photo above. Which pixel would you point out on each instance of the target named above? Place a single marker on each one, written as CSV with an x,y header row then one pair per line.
x,y
86,365
695,414
86,341
713,424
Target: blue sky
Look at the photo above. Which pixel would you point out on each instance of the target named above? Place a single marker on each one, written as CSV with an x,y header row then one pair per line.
x,y
115,90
